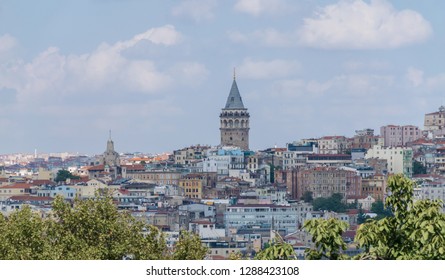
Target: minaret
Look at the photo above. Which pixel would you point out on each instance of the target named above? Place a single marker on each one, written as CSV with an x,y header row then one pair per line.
x,y
234,120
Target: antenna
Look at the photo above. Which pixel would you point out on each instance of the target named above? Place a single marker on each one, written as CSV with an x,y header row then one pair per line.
x,y
234,73
110,134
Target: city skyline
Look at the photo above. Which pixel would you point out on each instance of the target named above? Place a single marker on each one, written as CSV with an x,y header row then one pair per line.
x,y
158,75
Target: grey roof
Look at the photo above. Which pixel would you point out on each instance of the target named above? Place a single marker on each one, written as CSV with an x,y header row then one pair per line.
x,y
234,100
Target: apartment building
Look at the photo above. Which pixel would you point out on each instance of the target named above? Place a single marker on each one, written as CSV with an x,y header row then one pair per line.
x,y
395,135
399,159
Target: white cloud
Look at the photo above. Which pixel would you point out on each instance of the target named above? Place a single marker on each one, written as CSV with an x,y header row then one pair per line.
x,y
359,25
165,35
7,43
251,69
198,10
414,76
262,7
52,74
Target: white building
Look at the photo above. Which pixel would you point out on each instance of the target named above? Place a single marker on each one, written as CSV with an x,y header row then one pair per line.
x,y
292,159
206,230
400,159
222,160
280,218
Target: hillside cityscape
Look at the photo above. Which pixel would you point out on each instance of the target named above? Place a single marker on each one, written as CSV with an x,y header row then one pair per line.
x,y
235,199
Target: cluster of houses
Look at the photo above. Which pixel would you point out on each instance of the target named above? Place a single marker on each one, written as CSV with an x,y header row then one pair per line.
x,y
235,199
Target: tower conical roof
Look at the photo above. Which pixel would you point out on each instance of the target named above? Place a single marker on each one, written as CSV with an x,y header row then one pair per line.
x,y
234,100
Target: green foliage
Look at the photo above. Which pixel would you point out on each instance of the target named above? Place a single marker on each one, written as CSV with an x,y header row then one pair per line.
x,y
416,231
88,229
333,203
378,208
277,250
361,217
418,168
22,236
189,247
63,175
236,256
327,237
94,229
307,197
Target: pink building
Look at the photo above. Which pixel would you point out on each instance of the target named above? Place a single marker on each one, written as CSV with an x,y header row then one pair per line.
x,y
395,135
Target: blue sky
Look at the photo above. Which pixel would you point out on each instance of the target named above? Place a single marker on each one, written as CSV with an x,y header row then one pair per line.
x,y
157,73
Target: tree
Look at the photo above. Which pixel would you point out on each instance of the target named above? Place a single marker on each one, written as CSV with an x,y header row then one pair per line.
x,y
418,168
307,197
378,208
88,229
361,217
63,175
413,231
94,229
189,247
333,203
416,231
277,250
327,236
22,236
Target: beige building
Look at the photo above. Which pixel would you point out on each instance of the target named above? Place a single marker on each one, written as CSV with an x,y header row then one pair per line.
x,y
15,189
374,186
190,154
92,187
325,181
365,139
333,145
435,121
158,177
191,186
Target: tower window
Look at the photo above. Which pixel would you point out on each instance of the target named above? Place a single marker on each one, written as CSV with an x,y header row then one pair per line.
x,y
231,139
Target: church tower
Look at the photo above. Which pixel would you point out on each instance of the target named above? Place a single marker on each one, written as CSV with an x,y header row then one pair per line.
x,y
234,121
110,157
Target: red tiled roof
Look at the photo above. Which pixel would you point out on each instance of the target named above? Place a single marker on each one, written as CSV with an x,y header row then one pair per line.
x,y
17,186
124,192
83,179
134,167
421,141
42,182
355,211
96,168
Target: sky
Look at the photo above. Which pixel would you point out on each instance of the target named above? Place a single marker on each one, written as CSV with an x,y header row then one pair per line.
x,y
157,73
